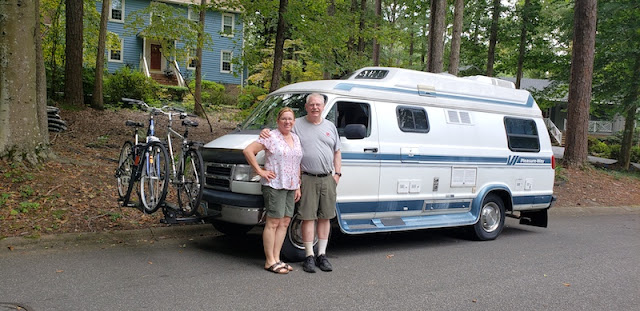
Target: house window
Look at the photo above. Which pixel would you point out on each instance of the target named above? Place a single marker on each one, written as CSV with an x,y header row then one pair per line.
x,y
117,10
412,119
225,64
227,24
522,134
193,15
115,55
191,60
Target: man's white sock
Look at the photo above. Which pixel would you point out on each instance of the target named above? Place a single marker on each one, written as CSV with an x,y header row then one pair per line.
x,y
308,248
322,246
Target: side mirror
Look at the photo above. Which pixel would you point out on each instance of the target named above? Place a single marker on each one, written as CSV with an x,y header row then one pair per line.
x,y
355,131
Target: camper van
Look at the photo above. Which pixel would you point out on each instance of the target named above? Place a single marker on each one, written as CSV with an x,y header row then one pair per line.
x,y
419,150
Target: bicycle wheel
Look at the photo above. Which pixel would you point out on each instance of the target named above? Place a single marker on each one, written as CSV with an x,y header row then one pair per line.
x,y
190,182
155,177
125,167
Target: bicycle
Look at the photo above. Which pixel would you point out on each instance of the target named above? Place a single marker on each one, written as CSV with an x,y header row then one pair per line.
x,y
187,175
144,162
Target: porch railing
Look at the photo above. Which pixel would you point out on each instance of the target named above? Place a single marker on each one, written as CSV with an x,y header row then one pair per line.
x,y
555,132
145,67
176,71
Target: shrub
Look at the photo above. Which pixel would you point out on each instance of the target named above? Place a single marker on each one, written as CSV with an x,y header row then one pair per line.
x,y
635,154
212,93
172,93
598,148
615,151
250,95
126,82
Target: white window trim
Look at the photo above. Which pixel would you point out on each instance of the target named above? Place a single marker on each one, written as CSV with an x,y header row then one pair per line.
x,y
121,60
111,14
233,25
222,62
189,57
190,12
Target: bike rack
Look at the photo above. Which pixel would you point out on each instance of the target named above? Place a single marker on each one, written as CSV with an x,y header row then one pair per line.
x,y
173,215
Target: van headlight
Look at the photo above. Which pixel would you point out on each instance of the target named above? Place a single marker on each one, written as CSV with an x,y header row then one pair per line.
x,y
245,173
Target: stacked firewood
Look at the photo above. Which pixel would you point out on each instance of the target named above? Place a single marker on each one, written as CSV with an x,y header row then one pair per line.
x,y
56,124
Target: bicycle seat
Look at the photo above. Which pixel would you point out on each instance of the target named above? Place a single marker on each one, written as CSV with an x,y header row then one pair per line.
x,y
190,123
133,123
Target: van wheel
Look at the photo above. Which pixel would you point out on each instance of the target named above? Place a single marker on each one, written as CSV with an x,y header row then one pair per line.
x,y
293,248
230,229
491,220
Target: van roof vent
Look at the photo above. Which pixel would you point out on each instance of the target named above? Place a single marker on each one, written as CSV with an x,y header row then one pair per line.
x,y
492,81
376,74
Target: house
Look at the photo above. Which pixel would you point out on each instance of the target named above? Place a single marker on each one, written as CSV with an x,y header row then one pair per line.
x,y
221,64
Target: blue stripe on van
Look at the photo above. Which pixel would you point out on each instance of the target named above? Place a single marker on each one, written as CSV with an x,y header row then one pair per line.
x,y
511,160
457,217
350,86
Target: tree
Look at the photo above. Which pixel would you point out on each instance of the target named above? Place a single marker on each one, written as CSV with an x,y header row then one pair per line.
x,y
279,47
436,36
454,56
73,93
23,127
198,109
617,67
523,41
376,45
493,37
582,56
97,100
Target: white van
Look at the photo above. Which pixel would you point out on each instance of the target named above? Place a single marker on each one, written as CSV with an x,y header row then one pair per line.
x,y
419,150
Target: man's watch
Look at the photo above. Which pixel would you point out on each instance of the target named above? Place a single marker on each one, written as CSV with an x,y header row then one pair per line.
x,y
337,173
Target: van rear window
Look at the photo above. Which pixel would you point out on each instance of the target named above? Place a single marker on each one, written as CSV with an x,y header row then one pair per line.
x,y
411,119
522,135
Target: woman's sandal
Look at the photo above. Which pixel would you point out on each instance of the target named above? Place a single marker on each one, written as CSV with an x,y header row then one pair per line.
x,y
277,268
286,265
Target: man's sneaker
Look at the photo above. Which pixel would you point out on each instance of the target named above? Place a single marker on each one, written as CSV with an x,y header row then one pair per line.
x,y
309,265
323,263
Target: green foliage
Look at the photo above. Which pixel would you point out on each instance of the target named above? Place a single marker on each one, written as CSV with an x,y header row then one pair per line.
x,y
615,151
4,197
250,96
114,216
26,206
213,94
172,93
58,214
129,83
561,173
26,191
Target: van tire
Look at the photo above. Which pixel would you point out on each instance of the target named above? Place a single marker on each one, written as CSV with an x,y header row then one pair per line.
x,y
491,219
231,229
292,248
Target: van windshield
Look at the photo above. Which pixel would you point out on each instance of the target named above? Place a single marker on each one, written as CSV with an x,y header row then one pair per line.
x,y
264,116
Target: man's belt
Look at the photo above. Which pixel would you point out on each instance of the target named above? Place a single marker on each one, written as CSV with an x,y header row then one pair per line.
x,y
316,175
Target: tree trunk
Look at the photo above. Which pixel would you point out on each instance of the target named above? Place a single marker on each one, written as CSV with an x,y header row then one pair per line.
x,y
376,47
97,101
411,44
41,78
436,36
584,34
21,135
331,12
73,51
631,114
523,41
198,108
363,13
454,57
279,48
493,37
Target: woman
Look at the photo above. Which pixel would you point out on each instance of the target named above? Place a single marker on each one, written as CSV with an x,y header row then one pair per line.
x,y
280,185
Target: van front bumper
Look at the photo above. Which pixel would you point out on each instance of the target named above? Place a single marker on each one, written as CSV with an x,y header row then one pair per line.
x,y
242,209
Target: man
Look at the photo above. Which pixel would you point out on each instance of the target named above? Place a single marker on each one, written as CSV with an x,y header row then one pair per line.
x,y
321,156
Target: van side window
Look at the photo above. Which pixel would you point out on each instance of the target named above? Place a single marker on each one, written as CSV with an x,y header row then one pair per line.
x,y
522,135
345,113
412,119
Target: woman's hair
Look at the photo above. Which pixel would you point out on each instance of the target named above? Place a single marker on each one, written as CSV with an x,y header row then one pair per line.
x,y
283,110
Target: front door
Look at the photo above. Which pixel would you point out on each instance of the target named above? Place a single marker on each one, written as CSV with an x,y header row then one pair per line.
x,y
156,56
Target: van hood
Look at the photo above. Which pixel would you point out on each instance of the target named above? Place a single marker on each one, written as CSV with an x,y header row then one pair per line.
x,y
236,140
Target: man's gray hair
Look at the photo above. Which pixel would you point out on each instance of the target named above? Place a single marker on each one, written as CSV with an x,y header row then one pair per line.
x,y
316,95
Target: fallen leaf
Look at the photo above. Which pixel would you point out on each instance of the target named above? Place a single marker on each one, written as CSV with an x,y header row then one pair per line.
x,y
10,247
474,301
389,256
150,262
59,271
566,284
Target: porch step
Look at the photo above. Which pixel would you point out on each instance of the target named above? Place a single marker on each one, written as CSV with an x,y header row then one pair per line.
x,y
163,79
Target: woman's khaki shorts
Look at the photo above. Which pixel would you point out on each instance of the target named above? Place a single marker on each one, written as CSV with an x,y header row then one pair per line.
x,y
318,199
278,202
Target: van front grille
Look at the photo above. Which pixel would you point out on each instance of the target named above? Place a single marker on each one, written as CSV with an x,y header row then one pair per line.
x,y
218,176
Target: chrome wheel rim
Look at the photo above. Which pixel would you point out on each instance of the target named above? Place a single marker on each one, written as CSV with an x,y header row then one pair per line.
x,y
490,217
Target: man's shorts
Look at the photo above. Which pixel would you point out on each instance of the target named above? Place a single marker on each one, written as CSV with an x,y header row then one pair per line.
x,y
318,199
278,202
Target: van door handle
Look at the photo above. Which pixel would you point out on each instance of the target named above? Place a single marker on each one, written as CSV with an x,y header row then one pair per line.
x,y
371,149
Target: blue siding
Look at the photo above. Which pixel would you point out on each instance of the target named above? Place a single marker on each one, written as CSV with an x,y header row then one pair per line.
x,y
211,58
